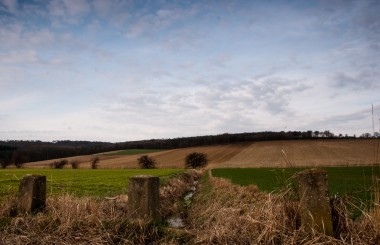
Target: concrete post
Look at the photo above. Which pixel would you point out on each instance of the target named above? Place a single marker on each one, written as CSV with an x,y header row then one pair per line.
x,y
144,198
32,194
315,209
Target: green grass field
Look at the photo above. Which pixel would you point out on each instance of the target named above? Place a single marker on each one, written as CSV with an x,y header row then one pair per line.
x,y
133,152
80,182
353,181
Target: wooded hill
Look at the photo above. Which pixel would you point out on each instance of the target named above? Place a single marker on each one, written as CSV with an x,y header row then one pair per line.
x,y
18,152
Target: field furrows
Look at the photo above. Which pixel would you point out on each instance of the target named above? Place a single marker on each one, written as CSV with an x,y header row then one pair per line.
x,y
258,154
305,153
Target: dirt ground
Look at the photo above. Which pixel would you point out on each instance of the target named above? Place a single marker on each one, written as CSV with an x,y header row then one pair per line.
x,y
337,152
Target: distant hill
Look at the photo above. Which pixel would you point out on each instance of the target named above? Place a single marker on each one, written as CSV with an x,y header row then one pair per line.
x,y
322,152
19,152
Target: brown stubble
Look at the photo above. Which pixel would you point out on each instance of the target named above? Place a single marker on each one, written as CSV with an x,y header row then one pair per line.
x,y
230,214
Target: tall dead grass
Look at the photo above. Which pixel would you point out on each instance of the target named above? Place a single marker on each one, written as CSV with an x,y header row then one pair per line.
x,y
221,213
376,204
230,214
72,220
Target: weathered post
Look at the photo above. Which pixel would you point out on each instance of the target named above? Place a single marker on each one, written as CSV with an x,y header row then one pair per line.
x,y
377,201
315,209
32,194
144,198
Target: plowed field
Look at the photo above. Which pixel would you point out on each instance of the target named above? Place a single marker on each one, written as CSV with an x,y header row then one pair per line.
x,y
296,153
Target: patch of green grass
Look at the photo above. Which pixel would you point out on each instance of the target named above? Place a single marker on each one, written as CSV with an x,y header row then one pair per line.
x,y
133,152
352,181
80,182
206,186
267,179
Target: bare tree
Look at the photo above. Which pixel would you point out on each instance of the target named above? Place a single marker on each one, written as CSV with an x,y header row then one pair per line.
x,y
196,160
59,164
95,162
146,162
75,163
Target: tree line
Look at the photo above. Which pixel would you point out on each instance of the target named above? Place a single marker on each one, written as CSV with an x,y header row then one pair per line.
x,y
18,152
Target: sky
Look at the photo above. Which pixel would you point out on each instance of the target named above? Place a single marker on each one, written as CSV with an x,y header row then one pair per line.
x,y
120,70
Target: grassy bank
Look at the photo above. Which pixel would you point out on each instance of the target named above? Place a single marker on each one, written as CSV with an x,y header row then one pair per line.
x,y
351,181
69,219
226,213
80,182
220,213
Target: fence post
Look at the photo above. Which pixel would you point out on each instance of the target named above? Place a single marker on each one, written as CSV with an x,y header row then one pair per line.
x,y
32,194
144,198
315,209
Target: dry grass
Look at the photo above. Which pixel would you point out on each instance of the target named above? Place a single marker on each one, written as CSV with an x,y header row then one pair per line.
x,y
375,213
72,220
174,190
221,213
230,214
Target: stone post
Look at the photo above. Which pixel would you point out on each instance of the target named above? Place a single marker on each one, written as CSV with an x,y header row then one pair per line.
x,y
144,198
315,209
32,194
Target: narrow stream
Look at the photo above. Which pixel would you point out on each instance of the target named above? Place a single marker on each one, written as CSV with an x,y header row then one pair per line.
x,y
176,221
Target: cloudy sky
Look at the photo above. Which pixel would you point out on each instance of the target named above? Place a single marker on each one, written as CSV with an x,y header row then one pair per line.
x,y
120,70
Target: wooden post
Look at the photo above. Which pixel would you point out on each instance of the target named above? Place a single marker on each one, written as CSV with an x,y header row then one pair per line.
x,y
315,206
144,198
32,194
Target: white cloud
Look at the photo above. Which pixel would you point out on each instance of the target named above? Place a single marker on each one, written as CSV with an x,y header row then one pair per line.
x,y
205,108
363,80
150,23
22,57
77,7
65,12
11,5
56,8
67,8
124,70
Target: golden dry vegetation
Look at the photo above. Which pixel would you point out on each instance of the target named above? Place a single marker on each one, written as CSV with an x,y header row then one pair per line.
x,y
336,152
224,213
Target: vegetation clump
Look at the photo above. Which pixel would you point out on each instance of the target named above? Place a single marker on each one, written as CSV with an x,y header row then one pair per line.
x,y
146,162
95,162
3,164
196,160
75,164
59,164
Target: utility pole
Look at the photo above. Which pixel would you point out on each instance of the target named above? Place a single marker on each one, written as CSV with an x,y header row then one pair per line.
x,y
373,124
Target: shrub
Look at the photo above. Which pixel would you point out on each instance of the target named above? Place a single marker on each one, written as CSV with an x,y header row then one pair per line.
x,y
59,164
146,162
95,162
196,160
75,164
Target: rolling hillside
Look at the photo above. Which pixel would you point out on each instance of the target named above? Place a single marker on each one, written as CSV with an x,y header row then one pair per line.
x,y
339,152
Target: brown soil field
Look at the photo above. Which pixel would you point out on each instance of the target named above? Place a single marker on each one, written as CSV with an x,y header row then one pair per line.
x,y
297,153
